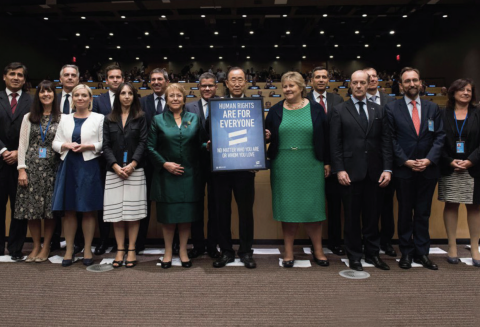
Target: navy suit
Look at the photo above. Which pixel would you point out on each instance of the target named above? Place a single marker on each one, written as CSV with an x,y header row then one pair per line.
x,y
198,237
10,125
333,189
415,189
102,104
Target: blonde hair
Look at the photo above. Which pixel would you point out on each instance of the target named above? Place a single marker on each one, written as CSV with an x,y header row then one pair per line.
x,y
176,86
297,79
83,86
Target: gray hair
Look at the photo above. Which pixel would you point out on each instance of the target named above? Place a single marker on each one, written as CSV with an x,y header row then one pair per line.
x,y
70,66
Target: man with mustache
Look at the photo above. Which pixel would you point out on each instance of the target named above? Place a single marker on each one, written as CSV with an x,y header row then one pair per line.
x,y
333,190
418,138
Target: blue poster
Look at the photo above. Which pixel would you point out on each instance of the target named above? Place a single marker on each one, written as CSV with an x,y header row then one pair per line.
x,y
237,134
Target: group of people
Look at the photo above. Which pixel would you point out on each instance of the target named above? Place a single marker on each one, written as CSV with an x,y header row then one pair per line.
x,y
66,156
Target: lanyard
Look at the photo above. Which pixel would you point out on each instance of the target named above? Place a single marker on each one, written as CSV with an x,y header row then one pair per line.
x,y
44,134
456,125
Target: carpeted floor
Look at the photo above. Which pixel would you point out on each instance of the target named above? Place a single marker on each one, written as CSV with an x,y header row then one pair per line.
x,y
49,295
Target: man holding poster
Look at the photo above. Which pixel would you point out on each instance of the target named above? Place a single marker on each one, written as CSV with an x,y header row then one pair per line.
x,y
241,183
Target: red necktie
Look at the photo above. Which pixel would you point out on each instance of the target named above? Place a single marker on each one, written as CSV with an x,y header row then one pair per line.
x,y
13,104
415,117
322,103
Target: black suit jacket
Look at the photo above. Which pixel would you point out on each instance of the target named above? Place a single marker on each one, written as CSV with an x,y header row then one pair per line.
x,y
357,151
10,124
320,131
472,142
407,145
148,106
384,99
332,100
102,104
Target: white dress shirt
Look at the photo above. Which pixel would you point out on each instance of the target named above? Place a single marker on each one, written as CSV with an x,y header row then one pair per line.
x,y
162,98
376,97
62,101
324,95
410,107
204,107
357,106
112,97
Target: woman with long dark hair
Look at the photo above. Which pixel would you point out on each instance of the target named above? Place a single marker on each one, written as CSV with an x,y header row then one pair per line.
x,y
37,164
124,143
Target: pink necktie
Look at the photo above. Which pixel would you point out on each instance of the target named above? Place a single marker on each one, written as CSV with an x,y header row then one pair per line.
x,y
322,103
14,102
415,117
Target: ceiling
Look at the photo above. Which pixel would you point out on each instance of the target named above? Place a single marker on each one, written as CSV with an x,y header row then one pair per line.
x,y
289,29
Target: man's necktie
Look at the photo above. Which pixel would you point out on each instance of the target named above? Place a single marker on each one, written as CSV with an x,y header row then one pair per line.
x,y
415,117
159,106
206,111
373,98
363,116
66,105
322,103
14,102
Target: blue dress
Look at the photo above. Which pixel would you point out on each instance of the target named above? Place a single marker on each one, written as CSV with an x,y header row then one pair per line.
x,y
78,186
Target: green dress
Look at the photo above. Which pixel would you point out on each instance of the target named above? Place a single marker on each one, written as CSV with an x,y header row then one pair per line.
x,y
178,198
297,177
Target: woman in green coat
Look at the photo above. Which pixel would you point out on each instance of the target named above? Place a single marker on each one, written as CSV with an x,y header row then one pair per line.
x,y
174,143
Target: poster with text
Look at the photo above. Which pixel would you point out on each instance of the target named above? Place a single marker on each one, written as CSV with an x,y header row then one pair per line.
x,y
237,134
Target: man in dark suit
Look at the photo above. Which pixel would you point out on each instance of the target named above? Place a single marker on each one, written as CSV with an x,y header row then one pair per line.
x,y
418,138
333,190
387,220
208,87
103,105
362,158
14,104
153,104
242,184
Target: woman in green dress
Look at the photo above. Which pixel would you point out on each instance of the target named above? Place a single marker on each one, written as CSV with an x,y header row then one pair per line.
x,y
175,142
299,153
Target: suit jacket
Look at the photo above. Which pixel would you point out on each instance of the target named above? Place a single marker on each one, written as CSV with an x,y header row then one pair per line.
x,y
197,108
332,100
384,99
91,133
148,106
360,152
320,131
408,145
472,142
102,104
10,124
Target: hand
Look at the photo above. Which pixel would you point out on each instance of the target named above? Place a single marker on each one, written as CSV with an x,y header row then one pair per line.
x,y
385,178
421,164
465,164
69,146
455,164
410,164
327,170
343,178
267,135
209,145
119,171
128,169
10,157
81,147
22,178
173,168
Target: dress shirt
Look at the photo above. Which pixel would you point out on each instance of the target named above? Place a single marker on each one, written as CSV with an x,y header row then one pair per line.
x,y
357,106
9,94
62,101
324,95
204,107
410,107
162,98
112,97
376,97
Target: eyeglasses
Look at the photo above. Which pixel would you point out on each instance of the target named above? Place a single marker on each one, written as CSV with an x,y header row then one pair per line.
x,y
209,86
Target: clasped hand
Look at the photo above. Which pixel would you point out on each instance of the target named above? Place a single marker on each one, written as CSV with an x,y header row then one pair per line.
x,y
460,165
173,168
418,165
10,157
123,172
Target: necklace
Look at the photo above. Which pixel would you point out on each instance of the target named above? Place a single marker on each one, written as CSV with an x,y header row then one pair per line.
x,y
293,107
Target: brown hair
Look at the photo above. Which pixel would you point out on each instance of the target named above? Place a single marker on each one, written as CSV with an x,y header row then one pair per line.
x,y
408,69
457,86
36,113
135,108
113,67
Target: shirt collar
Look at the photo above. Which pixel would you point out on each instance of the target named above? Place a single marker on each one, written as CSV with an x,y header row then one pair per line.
x,y
243,95
111,93
355,100
19,92
65,93
204,102
408,100
377,95
159,96
316,94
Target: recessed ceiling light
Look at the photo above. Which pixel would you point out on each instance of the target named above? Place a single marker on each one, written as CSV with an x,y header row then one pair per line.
x,y
366,45
304,57
181,33
118,47
244,16
248,57
445,16
146,33
122,17
243,46
148,47
287,32
163,16
180,46
251,32
46,18
83,17
211,46
358,57
192,58
304,45
322,32
331,57
278,57
203,16
336,45
110,58
285,15
392,32
216,33
165,58
276,45
87,47
364,15
399,45
137,58
325,15
77,34
220,57
357,32
111,34
405,16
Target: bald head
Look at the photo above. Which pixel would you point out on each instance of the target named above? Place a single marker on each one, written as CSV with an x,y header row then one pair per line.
x,y
359,83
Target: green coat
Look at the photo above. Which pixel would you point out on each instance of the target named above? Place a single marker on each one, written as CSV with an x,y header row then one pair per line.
x,y
169,143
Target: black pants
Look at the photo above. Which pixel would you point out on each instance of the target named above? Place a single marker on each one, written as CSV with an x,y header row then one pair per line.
x,y
103,227
18,228
362,208
243,186
387,220
333,191
414,206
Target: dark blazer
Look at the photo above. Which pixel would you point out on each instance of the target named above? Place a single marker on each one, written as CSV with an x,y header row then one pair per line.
x,y
197,108
148,106
118,139
320,131
10,124
357,151
408,145
472,142
332,100
102,104
384,99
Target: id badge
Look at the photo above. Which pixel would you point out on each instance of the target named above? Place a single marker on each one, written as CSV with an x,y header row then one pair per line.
x,y
42,153
460,147
125,158
431,126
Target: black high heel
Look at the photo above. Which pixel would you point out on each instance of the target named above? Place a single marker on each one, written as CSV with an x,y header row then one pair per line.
x,y
68,262
186,264
130,264
118,264
166,265
288,264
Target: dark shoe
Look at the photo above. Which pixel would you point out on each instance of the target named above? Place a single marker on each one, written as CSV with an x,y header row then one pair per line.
x,y
78,249
223,260
175,249
101,248
405,261
118,264
67,263
166,265
355,264
214,253
196,252
87,262
425,262
377,262
131,264
323,263
17,256
248,261
389,250
476,263
187,264
288,264
453,261
337,249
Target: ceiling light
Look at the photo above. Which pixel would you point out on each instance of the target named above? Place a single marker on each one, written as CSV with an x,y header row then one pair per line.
x,y
405,16
336,45
203,16
399,45
251,32
248,57
165,58
366,45
304,45
358,57
146,33
216,33
392,32
118,47
148,47
322,32
111,34
181,33
110,58
87,47
220,57
287,32
163,16
445,16
364,15
278,57
211,46
122,17
243,46
137,58
304,57
244,16
357,32
325,15
192,58
276,45
331,57
77,34
46,18
285,15
180,46
83,17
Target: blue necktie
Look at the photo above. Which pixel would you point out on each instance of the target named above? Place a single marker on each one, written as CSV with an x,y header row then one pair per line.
x,y
66,105
159,106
